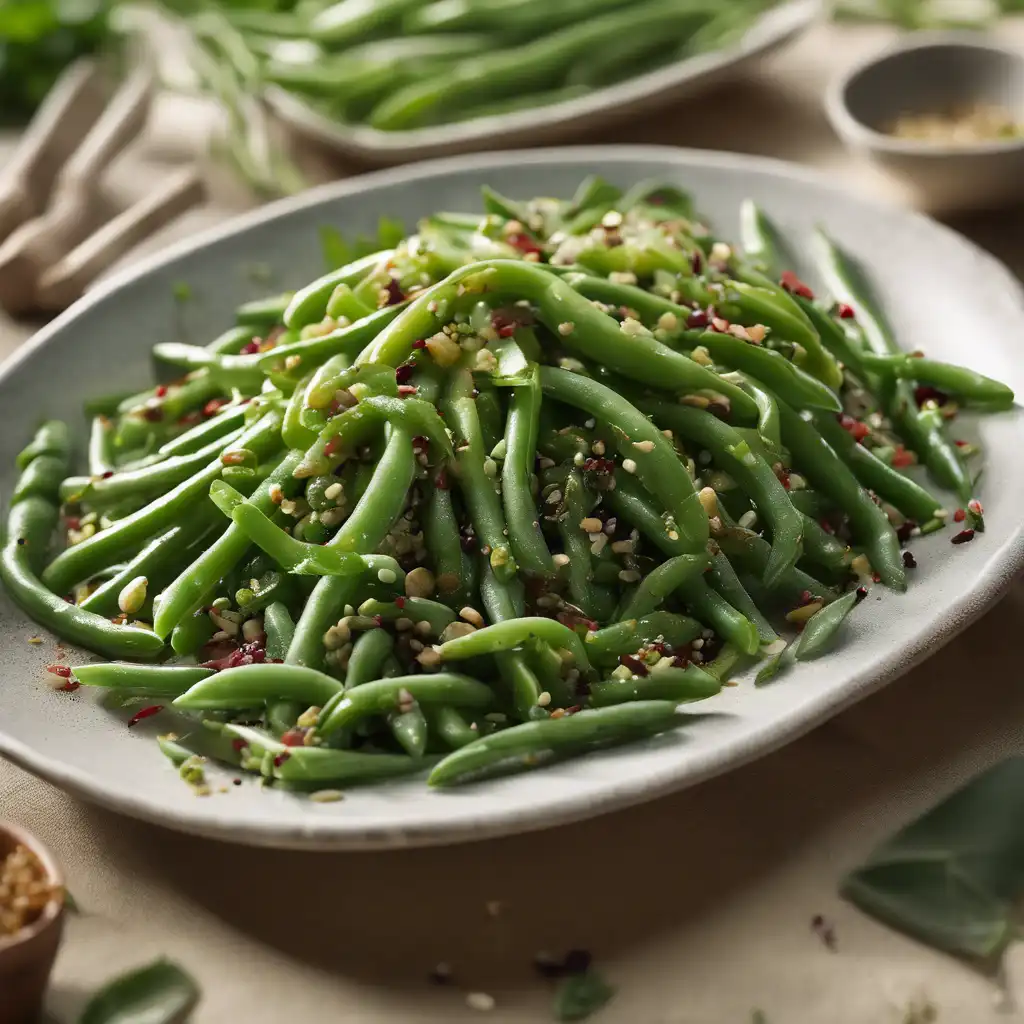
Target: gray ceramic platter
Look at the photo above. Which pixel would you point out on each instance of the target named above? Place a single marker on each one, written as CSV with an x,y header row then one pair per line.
x,y
943,295
551,124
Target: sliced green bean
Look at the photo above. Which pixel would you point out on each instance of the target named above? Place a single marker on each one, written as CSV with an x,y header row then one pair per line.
x,y
253,685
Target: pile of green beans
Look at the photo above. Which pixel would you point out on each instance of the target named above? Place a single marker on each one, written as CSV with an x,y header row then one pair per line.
x,y
397,65
510,491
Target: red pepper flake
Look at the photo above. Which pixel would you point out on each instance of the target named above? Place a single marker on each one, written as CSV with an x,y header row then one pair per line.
x,y
524,243
825,931
698,319
238,745
862,592
441,480
250,348
962,444
419,343
959,515
107,474
281,758
73,522
213,406
407,390
161,390
404,372
331,447
153,413
909,560
143,713
855,428
697,262
378,620
64,671
901,458
395,293
963,536
975,508
294,737
420,444
503,324
845,311
826,526
794,285
635,665
70,686
399,603
905,530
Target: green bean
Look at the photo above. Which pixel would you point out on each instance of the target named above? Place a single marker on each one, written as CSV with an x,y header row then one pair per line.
x,y
154,680
85,558
505,636
476,485
502,599
822,549
68,621
253,685
533,743
521,430
279,628
50,439
874,475
240,372
225,422
232,341
186,592
924,435
322,610
192,633
410,730
628,636
162,555
309,304
155,479
638,440
415,609
957,380
595,601
385,498
660,583
723,579
820,464
264,313
752,473
366,662
42,476
729,623
451,727
671,684
100,457
387,695
443,542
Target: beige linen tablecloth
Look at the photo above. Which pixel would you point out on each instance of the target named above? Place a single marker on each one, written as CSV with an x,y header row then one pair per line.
x,y
698,907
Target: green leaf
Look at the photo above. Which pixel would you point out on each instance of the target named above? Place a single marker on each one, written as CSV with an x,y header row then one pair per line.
x,y
580,995
161,993
953,877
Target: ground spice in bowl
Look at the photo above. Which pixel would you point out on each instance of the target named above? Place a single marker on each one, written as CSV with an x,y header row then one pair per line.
x,y
25,890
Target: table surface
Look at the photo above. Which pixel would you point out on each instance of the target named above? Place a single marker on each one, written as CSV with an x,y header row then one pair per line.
x,y
698,907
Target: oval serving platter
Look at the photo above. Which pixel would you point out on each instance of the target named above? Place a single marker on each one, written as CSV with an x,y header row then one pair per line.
x,y
941,292
552,123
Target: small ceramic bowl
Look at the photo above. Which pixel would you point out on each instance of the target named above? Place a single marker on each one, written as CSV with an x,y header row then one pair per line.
x,y
26,958
928,74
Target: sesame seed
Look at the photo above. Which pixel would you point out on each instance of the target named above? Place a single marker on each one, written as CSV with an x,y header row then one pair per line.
x,y
133,595
480,1001
566,328
386,575
292,361
472,616
543,699
560,559
275,494
598,544
644,446
598,448
327,796
591,524
623,547
668,321
629,465
629,576
333,492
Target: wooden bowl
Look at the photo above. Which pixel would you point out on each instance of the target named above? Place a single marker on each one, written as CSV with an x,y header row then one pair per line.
x,y
26,958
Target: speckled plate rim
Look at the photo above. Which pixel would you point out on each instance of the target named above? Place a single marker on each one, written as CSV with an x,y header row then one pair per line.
x,y
541,124
1002,564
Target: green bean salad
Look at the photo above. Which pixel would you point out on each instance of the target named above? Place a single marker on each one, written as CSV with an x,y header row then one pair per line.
x,y
396,65
509,490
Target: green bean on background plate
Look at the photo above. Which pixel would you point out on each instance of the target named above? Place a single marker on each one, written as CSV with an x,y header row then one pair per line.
x,y
506,490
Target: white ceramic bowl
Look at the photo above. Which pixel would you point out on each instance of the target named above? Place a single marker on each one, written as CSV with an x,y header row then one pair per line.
x,y
558,122
938,289
931,73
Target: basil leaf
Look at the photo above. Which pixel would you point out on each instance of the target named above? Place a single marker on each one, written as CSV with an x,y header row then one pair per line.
x,y
160,993
580,995
953,877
